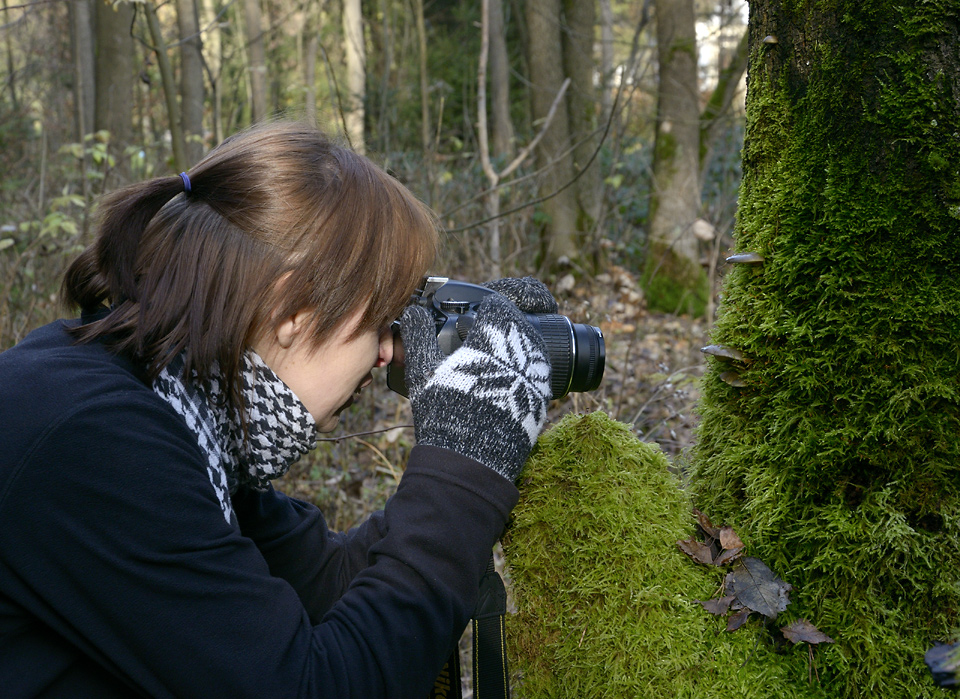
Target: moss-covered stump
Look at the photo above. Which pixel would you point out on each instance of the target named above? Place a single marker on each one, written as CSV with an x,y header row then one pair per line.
x,y
834,446
605,599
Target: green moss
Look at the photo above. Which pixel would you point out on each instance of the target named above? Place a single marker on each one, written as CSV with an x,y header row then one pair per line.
x,y
672,283
839,461
604,598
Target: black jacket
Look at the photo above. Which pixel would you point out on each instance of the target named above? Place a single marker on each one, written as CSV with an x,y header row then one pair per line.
x,y
119,575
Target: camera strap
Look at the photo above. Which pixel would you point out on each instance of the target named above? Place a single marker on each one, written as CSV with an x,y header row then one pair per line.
x,y
491,678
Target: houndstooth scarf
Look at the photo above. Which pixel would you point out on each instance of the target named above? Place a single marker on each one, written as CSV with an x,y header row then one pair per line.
x,y
279,427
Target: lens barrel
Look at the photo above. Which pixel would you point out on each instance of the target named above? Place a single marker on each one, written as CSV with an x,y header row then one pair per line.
x,y
576,352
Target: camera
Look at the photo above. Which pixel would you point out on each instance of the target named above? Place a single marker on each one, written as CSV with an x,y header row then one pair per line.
x,y
576,352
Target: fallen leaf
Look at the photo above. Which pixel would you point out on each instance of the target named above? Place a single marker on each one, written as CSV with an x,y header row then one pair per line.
x,y
728,556
735,621
757,587
705,524
729,539
718,605
697,550
802,630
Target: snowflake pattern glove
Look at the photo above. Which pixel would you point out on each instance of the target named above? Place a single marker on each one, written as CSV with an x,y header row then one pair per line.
x,y
487,400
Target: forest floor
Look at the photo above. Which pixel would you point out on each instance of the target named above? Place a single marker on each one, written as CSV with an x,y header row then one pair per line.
x,y
653,363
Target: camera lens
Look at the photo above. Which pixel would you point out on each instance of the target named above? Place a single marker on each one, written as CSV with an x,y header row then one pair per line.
x,y
577,353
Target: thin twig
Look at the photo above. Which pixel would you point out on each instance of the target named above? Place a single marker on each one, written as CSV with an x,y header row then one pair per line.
x,y
362,434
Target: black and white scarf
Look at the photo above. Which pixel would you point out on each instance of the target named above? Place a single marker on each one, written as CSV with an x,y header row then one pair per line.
x,y
279,427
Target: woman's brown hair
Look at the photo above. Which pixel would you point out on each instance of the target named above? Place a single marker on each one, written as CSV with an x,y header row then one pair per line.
x,y
278,219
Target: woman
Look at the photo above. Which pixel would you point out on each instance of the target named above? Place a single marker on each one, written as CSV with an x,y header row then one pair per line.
x,y
228,315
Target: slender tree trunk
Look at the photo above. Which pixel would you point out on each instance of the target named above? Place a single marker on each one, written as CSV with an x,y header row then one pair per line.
x,y
169,88
83,91
212,56
606,59
257,57
310,73
81,19
191,80
499,72
355,93
675,201
833,447
11,69
113,108
426,133
546,78
582,100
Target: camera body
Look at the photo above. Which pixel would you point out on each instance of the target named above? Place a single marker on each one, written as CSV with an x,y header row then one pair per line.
x,y
576,352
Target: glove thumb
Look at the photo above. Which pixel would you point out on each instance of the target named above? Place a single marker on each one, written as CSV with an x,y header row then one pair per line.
x,y
422,355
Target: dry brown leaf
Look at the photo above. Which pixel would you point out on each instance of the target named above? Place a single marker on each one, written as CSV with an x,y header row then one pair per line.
x,y
735,621
718,605
697,550
729,538
728,556
705,524
802,630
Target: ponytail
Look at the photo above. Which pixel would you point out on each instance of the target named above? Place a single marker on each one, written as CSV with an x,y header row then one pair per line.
x,y
106,270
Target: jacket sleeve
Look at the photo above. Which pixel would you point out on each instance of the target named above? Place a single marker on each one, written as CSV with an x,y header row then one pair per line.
x,y
294,540
114,537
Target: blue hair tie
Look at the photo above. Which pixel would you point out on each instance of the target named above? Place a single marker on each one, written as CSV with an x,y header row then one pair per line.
x,y
186,182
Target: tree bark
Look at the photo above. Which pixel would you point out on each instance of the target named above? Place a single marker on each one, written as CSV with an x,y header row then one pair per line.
x,y
191,80
258,61
675,197
582,100
553,153
169,89
213,59
84,89
113,108
502,136
355,93
426,133
606,59
833,447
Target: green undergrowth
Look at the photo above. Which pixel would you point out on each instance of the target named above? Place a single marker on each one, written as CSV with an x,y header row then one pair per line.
x,y
673,284
606,601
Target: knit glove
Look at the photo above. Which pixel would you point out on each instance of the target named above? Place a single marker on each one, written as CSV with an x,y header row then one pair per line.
x,y
529,294
487,400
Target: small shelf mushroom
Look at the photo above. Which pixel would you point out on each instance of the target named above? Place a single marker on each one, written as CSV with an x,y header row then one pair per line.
x,y
724,352
746,258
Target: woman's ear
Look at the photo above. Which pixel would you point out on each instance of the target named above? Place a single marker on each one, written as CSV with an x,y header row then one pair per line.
x,y
291,328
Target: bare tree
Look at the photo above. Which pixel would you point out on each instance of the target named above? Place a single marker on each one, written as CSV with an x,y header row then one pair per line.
x,y
582,99
257,58
169,88
675,198
191,79
84,89
213,60
113,108
553,152
491,198
499,72
355,50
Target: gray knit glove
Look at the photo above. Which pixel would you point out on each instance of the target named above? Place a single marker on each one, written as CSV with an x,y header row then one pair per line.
x,y
487,400
529,294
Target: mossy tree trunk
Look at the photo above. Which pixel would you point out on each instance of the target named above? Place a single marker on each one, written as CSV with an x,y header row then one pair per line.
x,y
838,455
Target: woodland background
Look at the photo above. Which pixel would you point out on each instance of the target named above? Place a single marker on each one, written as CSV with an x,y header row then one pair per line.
x,y
598,146
595,145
